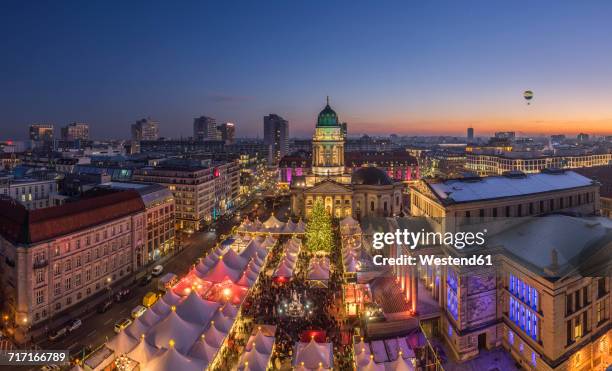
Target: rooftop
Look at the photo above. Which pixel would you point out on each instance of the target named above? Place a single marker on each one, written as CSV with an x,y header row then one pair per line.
x,y
31,226
571,239
494,187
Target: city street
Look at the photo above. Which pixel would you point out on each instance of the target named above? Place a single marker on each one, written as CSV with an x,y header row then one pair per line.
x,y
98,327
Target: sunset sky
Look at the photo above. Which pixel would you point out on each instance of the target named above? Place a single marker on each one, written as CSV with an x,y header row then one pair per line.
x,y
405,67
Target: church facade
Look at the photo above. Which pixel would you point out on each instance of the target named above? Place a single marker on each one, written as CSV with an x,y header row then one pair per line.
x,y
367,191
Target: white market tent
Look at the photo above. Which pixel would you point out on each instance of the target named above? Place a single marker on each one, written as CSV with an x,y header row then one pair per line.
x,y
171,359
144,352
150,318
196,310
221,272
173,327
203,351
122,343
313,354
137,328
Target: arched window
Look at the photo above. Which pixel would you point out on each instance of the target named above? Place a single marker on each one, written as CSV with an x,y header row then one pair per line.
x,y
372,205
385,206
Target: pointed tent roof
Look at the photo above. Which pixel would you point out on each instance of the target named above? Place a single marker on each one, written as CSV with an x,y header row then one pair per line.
x,y
318,272
161,308
222,323
174,328
121,343
171,298
143,353
197,310
214,336
150,318
269,241
348,222
254,248
400,364
235,261
372,366
289,227
221,272
254,361
262,343
301,227
283,270
136,329
313,354
230,310
171,359
204,351
273,223
245,280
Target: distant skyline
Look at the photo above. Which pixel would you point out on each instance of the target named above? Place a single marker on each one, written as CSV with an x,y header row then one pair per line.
x,y
404,67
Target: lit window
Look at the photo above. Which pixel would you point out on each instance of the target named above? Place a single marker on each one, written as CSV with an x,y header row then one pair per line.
x,y
511,337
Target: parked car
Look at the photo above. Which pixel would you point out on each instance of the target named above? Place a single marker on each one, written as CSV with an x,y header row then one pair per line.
x,y
121,324
145,280
138,311
74,324
105,306
57,334
157,270
122,294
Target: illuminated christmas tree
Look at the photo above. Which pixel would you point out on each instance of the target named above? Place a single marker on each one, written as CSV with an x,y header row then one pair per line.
x,y
319,235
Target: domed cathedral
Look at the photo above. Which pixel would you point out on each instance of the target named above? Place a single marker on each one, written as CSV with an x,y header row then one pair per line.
x,y
368,191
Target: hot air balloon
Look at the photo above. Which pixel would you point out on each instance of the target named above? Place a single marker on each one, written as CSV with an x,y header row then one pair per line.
x,y
528,95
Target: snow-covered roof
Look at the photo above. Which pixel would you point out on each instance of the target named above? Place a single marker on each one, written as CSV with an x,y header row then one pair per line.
x,y
493,187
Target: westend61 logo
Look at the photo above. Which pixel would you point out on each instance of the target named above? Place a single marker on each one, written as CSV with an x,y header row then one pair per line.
x,y
413,239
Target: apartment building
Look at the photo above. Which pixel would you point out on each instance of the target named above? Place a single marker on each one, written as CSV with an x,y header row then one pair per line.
x,y
202,191
603,176
54,258
160,218
530,162
32,193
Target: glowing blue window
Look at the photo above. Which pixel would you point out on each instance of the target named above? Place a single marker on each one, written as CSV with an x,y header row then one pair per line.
x,y
533,359
511,337
450,330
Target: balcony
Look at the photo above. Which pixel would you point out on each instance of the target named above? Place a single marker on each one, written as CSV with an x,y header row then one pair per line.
x,y
40,263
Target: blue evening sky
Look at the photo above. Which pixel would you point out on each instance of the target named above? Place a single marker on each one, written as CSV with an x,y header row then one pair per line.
x,y
410,67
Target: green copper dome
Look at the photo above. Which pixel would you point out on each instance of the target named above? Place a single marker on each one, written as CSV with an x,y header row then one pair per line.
x,y
327,117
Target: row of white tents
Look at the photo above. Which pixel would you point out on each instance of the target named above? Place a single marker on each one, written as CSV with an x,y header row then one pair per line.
x,y
393,354
286,265
318,269
271,226
183,330
257,353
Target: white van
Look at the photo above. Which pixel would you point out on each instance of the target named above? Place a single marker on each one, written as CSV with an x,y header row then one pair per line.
x,y
157,270
138,311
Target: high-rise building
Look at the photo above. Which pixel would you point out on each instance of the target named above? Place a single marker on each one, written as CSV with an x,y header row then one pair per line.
x,y
510,135
227,132
204,128
76,131
583,137
145,129
41,132
276,136
470,135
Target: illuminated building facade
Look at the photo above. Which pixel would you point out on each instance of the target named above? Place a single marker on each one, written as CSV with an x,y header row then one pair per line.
x,y
365,191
